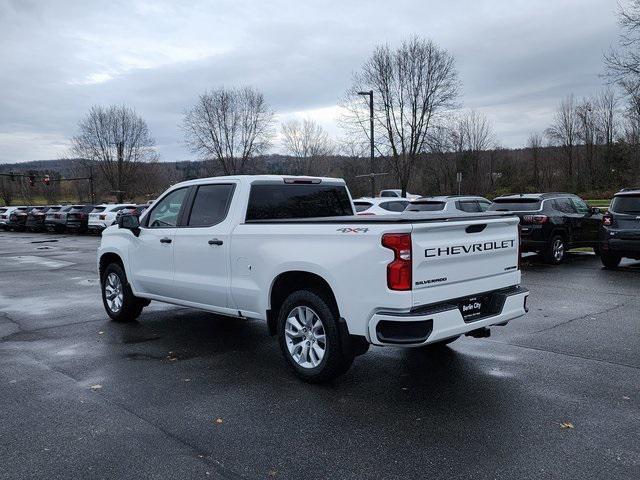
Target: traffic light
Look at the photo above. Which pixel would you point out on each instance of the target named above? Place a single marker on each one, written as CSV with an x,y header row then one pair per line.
x,y
32,179
46,180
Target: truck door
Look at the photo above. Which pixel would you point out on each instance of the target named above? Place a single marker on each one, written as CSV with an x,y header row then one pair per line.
x,y
152,252
201,247
590,221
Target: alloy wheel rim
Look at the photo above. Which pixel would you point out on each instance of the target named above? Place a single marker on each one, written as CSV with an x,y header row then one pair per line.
x,y
113,292
305,337
558,250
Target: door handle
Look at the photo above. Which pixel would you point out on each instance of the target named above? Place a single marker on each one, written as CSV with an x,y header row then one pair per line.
x,y
215,241
165,240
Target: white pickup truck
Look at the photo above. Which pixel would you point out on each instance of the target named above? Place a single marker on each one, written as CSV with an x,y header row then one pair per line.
x,y
290,251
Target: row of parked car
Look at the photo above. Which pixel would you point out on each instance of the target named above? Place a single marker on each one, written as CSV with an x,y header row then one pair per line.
x,y
63,218
550,223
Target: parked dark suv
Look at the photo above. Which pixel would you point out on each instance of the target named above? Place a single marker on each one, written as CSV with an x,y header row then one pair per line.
x,y
552,223
620,232
78,218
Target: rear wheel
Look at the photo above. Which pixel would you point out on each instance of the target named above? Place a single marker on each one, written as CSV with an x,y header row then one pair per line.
x,y
610,260
118,299
555,251
309,337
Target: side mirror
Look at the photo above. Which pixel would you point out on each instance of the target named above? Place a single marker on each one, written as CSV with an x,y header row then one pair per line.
x,y
595,211
130,222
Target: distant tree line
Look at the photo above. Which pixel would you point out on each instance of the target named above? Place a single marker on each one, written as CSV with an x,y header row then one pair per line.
x,y
423,139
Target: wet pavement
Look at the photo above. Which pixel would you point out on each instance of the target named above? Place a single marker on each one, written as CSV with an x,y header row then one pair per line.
x,y
186,394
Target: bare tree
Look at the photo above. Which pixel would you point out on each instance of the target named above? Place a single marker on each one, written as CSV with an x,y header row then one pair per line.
x,y
307,141
475,135
623,65
117,139
587,131
535,146
412,85
7,190
606,106
564,132
229,126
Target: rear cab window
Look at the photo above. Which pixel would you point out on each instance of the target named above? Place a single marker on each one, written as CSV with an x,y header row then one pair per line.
x,y
626,204
289,201
425,206
515,205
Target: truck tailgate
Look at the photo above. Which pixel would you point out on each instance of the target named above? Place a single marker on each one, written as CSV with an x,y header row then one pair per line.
x,y
456,258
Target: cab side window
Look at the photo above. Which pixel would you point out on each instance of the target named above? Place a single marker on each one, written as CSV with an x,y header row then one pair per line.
x,y
210,205
165,212
563,205
580,205
469,206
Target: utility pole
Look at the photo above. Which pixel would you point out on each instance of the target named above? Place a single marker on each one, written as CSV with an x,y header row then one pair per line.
x,y
371,175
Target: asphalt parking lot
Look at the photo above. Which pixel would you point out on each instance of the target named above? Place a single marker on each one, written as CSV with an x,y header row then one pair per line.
x,y
186,394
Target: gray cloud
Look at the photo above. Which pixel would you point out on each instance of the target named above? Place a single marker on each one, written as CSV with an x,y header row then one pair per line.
x,y
516,59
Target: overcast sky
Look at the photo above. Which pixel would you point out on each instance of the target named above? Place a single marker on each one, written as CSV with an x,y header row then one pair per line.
x,y
516,59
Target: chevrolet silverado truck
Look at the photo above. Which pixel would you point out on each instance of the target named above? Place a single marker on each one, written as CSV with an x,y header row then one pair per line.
x,y
290,251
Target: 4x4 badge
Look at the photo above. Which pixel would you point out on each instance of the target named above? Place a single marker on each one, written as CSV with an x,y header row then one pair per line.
x,y
352,230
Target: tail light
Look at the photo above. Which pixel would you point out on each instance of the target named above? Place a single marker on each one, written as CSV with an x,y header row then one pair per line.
x,y
535,219
519,247
103,217
607,220
399,270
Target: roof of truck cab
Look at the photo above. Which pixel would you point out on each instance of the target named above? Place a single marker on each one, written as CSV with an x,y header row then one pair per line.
x,y
251,179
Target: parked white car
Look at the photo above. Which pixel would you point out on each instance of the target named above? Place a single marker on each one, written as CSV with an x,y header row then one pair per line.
x,y
450,204
380,206
328,283
397,193
5,214
103,216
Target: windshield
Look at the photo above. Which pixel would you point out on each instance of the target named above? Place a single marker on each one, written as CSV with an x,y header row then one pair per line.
x,y
425,207
515,205
628,204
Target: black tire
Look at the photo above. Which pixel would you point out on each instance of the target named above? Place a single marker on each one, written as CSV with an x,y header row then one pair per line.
x,y
59,229
610,260
551,254
131,307
336,359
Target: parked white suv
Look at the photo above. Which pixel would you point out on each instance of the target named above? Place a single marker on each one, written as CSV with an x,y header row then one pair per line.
x,y
328,283
397,193
450,204
103,216
380,206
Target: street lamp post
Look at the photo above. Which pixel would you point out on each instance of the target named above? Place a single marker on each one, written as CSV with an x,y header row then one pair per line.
x,y
373,178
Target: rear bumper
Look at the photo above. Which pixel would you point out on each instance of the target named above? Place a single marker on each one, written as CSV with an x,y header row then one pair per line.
x,y
441,321
622,247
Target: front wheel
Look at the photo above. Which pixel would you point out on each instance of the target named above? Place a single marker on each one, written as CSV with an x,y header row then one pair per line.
x,y
609,260
555,250
118,299
309,337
